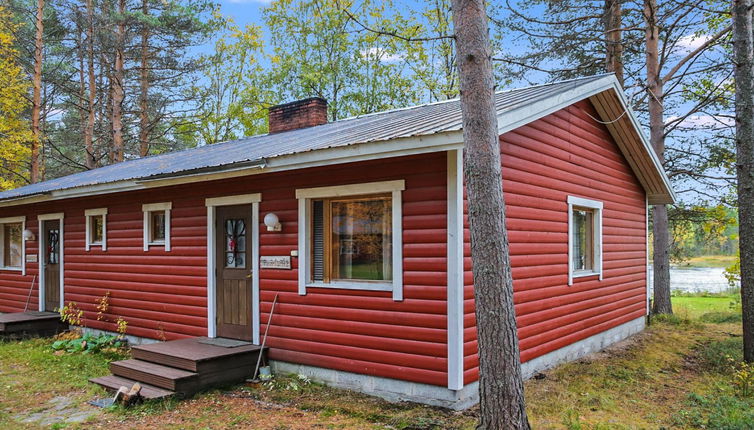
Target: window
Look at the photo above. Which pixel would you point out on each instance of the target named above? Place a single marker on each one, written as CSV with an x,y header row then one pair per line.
x,y
157,225
351,237
96,228
584,238
12,240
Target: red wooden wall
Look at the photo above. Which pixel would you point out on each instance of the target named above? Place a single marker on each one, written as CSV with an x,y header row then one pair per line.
x,y
566,153
163,294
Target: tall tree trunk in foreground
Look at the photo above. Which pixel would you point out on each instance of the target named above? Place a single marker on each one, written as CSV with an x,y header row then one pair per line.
x,y
744,73
36,104
118,83
613,21
500,384
89,129
144,85
661,233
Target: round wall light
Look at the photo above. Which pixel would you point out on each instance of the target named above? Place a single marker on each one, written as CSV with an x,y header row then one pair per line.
x,y
272,222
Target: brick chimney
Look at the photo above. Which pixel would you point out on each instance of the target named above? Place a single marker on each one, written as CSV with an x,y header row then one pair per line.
x,y
299,114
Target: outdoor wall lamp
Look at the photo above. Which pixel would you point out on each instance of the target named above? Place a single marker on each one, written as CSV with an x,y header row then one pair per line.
x,y
29,235
272,222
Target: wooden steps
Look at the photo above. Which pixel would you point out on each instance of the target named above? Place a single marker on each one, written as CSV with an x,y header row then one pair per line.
x,y
182,367
157,375
30,324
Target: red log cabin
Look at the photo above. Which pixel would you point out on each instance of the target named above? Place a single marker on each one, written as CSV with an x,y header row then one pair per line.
x,y
359,227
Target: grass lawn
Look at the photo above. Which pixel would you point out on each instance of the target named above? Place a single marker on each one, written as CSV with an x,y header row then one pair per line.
x,y
709,261
675,374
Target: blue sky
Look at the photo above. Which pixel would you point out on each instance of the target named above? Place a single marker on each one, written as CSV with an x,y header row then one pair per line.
x,y
244,11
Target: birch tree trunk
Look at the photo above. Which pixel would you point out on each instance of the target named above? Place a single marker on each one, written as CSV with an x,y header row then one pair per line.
x,y
661,259
744,74
118,83
89,129
613,21
144,85
36,104
500,384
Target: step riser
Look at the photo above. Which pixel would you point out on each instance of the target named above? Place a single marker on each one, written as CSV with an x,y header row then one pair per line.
x,y
113,383
249,358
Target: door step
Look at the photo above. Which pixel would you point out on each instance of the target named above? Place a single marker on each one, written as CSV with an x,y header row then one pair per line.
x,y
157,375
113,383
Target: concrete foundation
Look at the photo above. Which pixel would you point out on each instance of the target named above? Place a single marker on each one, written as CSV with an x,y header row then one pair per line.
x,y
397,390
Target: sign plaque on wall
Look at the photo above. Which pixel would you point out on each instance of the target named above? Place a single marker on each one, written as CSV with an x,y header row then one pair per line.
x,y
275,262
31,258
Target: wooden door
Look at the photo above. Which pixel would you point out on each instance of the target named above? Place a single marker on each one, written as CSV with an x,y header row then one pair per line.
x,y
51,261
233,274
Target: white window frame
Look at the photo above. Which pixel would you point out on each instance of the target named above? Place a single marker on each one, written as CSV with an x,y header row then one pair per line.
x,y
13,220
89,213
597,207
306,195
156,207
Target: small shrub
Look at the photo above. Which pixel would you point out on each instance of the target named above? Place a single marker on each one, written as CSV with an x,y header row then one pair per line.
x,y
122,326
103,304
743,378
71,314
294,383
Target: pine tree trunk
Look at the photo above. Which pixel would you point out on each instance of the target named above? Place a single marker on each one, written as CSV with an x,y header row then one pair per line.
x,y
89,129
36,105
613,21
502,402
660,230
144,86
744,73
118,83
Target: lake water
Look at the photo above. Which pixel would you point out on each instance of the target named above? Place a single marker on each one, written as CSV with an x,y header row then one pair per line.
x,y
698,279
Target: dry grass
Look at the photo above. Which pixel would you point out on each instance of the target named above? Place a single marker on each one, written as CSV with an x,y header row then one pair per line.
x,y
668,376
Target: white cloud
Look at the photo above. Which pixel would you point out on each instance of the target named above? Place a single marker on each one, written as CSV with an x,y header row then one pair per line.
x,y
380,53
700,122
692,41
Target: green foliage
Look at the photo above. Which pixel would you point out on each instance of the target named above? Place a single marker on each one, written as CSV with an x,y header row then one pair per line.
x,y
89,343
702,230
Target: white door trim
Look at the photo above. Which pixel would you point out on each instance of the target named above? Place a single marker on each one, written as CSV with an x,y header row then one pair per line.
x,y
212,204
41,256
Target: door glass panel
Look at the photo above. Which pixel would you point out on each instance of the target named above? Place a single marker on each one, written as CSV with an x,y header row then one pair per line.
x,y
235,243
53,246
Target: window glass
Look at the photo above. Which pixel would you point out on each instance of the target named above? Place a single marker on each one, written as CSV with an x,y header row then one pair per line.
x,y
53,246
12,246
583,239
97,224
352,239
157,227
235,243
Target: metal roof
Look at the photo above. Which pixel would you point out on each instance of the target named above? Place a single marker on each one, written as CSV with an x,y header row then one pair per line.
x,y
420,120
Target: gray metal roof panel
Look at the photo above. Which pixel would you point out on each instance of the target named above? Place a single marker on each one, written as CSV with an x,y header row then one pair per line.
x,y
405,122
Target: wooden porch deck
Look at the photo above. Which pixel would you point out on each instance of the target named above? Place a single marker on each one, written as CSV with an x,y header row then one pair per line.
x,y
182,367
30,324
